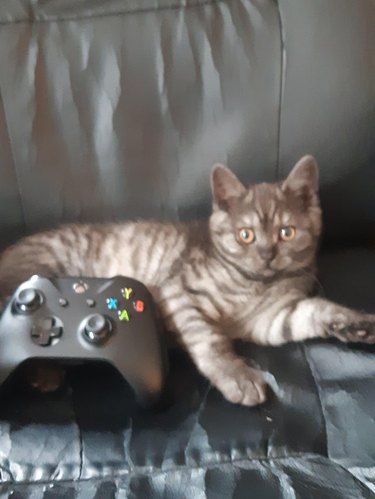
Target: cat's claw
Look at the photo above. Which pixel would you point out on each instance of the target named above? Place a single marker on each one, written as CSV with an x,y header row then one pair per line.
x,y
362,331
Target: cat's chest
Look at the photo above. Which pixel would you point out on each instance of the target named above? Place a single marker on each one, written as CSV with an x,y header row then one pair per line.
x,y
231,304
241,310
241,306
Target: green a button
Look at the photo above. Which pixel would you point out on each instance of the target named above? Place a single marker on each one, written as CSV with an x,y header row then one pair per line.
x,y
123,315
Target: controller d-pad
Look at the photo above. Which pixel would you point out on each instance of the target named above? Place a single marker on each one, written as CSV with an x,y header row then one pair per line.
x,y
46,330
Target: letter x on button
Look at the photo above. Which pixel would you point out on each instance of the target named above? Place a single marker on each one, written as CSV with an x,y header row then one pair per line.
x,y
112,303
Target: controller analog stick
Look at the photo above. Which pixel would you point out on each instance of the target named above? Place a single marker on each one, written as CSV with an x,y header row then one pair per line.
x,y
97,328
28,300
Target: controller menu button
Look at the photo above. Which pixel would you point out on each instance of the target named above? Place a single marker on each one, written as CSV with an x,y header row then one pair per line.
x,y
46,331
63,302
90,302
28,300
97,329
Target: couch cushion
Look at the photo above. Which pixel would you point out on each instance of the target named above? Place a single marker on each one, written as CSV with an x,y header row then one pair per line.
x,y
314,429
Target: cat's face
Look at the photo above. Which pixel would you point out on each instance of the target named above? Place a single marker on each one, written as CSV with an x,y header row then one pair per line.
x,y
267,230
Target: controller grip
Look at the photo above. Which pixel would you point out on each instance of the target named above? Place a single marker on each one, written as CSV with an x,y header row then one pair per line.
x,y
8,365
146,382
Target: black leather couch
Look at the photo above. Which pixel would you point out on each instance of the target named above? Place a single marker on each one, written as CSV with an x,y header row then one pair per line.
x,y
117,109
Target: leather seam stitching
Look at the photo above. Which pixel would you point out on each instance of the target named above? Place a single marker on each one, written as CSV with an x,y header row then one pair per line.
x,y
147,472
15,170
281,89
56,19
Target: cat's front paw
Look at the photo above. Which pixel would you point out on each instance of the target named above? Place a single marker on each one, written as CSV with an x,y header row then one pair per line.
x,y
359,331
246,388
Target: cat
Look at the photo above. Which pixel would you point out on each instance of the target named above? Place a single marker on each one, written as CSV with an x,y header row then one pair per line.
x,y
247,272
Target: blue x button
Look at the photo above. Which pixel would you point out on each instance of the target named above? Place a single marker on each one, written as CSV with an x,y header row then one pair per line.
x,y
112,303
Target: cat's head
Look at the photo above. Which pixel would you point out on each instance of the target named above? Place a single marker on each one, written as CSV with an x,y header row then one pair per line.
x,y
265,230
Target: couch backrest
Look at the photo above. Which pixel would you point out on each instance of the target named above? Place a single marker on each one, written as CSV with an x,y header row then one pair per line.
x,y
117,109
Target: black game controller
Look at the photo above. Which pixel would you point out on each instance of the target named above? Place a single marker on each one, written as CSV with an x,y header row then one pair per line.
x,y
67,319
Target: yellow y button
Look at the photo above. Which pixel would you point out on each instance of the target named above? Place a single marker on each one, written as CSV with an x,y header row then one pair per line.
x,y
127,293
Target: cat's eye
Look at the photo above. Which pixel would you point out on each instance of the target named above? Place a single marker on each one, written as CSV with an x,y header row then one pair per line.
x,y
246,235
287,233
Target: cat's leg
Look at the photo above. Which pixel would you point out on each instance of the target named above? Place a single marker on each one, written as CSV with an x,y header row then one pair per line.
x,y
197,329
213,355
312,318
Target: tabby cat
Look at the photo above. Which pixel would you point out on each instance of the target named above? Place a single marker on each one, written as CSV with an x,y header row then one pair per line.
x,y
246,272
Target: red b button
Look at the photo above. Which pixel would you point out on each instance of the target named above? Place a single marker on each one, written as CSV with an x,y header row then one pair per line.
x,y
139,306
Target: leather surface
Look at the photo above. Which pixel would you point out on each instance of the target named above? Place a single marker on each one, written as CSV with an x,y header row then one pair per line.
x,y
328,107
124,115
136,100
111,110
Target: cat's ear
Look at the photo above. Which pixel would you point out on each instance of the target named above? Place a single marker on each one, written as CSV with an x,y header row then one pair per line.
x,y
303,181
225,186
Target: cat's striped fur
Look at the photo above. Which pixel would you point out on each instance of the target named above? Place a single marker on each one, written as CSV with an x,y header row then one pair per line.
x,y
211,286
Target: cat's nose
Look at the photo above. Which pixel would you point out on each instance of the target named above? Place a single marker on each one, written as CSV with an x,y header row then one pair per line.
x,y
267,253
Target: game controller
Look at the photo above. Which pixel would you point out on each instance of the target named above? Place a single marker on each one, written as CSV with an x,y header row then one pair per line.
x,y
67,319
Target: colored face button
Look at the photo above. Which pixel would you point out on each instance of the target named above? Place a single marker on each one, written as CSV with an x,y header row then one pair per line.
x,y
127,293
139,306
123,315
112,303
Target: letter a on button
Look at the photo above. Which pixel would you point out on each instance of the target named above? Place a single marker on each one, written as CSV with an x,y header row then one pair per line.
x,y
127,292
123,315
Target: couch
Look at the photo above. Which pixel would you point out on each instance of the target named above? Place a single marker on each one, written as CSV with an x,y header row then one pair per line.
x,y
114,109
